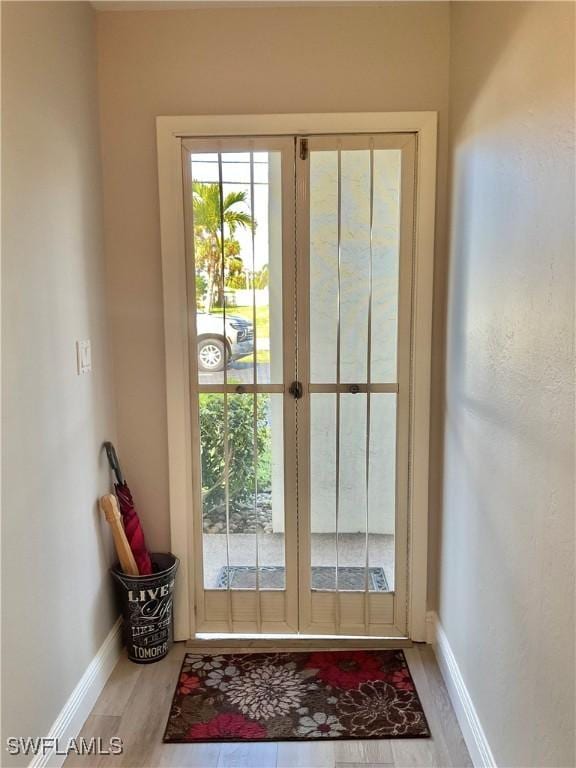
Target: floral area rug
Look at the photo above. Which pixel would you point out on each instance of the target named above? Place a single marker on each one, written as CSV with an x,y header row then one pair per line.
x,y
295,696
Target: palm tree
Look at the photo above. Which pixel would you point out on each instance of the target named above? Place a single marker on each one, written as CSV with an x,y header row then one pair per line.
x,y
262,278
211,246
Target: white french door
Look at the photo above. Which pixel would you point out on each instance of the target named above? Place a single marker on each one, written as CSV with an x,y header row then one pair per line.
x,y
355,214
299,254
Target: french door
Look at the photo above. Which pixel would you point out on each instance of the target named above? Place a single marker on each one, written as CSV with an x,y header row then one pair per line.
x,y
299,283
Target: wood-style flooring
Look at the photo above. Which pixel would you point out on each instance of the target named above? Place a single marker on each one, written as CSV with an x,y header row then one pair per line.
x,y
135,703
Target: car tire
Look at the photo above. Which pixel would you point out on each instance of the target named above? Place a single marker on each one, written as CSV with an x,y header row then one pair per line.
x,y
211,355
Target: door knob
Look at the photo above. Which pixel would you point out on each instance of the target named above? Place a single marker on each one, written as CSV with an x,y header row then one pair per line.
x,y
295,390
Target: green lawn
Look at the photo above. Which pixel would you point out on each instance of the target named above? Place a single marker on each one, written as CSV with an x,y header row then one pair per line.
x,y
263,357
262,318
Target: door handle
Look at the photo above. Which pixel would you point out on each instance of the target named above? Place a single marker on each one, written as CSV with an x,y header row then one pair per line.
x,y
296,390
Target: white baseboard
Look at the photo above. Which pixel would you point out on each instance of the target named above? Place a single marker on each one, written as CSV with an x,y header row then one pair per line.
x,y
468,719
431,621
80,702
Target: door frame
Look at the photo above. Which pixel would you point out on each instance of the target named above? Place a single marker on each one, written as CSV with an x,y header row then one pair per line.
x,y
169,134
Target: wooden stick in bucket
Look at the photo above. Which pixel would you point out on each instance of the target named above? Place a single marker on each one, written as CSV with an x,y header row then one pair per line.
x,y
109,507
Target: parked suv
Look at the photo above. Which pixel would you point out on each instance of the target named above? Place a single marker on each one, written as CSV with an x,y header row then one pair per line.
x,y
220,342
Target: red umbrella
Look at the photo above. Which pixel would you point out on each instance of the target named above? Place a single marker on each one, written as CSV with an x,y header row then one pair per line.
x,y
132,525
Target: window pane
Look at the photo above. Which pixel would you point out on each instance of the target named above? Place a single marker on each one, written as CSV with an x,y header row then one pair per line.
x,y
354,265
355,283
239,281
323,265
323,490
352,522
385,264
270,497
382,486
255,491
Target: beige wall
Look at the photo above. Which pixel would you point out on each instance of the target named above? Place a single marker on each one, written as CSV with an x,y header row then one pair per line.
x,y
56,592
218,61
507,542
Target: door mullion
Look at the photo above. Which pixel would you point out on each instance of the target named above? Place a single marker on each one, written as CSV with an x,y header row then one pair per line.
x,y
290,372
225,372
302,283
368,393
337,600
194,544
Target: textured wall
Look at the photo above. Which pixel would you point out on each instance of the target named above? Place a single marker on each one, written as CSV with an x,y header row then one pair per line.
x,y
56,593
506,596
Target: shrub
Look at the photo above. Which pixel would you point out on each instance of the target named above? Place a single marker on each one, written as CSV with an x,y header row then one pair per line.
x,y
201,287
241,470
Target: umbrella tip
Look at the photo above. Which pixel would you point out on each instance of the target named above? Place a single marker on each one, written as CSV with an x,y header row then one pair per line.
x,y
113,461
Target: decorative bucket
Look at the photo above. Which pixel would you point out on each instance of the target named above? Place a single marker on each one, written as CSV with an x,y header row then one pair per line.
x,y
147,609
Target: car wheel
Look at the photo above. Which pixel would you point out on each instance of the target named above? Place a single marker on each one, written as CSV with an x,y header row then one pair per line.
x,y
211,355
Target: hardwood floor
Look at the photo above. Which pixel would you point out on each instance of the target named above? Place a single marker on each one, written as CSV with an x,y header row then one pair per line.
x,y
134,706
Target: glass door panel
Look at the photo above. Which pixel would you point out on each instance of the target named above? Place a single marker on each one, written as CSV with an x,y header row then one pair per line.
x,y
236,236
356,254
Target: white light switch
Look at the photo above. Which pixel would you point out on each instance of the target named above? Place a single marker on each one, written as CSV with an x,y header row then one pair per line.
x,y
84,356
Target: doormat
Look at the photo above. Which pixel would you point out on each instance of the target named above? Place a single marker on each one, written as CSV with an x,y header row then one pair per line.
x,y
295,697
323,577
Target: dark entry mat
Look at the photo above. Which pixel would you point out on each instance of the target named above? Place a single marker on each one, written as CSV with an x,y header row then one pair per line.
x,y
323,577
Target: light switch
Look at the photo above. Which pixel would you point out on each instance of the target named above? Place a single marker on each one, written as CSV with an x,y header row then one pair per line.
x,y
84,356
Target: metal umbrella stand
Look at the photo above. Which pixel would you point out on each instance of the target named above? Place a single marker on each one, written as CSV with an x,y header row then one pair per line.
x,y
146,596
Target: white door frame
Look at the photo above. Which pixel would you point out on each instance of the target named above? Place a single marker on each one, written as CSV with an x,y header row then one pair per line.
x,y
169,132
